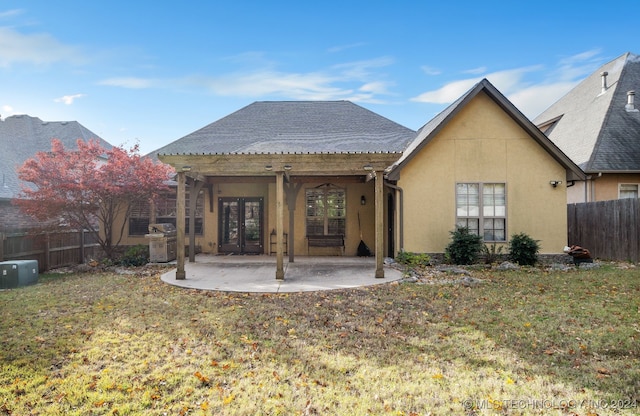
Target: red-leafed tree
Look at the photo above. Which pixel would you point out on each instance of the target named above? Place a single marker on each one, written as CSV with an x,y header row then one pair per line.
x,y
89,186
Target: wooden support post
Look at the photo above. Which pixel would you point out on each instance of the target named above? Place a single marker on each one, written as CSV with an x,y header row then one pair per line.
x,y
292,194
280,225
194,191
379,223
180,225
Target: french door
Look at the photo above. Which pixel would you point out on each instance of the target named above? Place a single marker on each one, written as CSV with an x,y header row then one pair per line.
x,y
240,225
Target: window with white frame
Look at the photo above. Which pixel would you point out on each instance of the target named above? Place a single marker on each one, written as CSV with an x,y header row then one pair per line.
x,y
628,190
482,208
325,211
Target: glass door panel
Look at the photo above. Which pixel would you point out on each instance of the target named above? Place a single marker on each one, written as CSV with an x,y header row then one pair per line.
x,y
240,225
252,225
229,225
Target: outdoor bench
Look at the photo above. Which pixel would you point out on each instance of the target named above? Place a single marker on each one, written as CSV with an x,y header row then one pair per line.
x,y
325,241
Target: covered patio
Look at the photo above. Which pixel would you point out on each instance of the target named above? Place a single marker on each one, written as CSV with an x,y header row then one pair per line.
x,y
288,172
255,274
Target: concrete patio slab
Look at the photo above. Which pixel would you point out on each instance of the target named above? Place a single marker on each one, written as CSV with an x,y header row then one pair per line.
x,y
257,274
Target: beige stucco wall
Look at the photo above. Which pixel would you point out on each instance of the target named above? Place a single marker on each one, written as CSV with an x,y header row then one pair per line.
x,y
208,242
483,144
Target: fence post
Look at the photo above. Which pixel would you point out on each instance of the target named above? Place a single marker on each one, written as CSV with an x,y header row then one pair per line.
x,y
82,257
47,251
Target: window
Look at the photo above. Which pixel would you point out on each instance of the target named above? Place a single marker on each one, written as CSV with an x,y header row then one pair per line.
x,y
165,208
481,207
627,190
325,211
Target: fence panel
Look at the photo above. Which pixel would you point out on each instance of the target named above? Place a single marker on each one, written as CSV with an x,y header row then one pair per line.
x,y
609,229
54,249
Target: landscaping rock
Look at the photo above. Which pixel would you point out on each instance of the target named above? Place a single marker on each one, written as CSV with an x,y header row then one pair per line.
x,y
507,265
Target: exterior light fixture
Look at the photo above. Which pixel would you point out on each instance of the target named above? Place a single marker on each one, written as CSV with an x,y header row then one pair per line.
x,y
363,200
367,167
555,183
268,167
186,168
287,167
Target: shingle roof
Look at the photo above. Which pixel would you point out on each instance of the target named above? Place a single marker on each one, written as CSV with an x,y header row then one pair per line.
x,y
593,127
295,127
431,129
22,136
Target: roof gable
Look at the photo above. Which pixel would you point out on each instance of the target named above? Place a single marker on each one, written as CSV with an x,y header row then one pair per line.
x,y
594,127
22,136
295,127
430,130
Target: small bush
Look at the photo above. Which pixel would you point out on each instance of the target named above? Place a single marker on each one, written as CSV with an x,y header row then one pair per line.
x,y
135,256
492,253
413,259
523,249
464,247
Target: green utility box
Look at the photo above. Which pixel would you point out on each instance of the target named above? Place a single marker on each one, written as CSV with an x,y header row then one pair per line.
x,y
16,273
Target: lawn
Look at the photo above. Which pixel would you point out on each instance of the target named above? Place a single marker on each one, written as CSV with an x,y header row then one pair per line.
x,y
522,342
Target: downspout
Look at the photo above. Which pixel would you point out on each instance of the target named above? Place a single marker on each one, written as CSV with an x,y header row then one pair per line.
x,y
401,214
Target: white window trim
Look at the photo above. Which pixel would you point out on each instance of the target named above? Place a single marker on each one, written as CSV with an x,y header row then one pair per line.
x,y
620,185
481,216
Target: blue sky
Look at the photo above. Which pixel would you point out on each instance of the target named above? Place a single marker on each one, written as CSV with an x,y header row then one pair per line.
x,y
150,72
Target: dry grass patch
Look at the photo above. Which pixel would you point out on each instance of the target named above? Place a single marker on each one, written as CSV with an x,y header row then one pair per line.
x,y
528,342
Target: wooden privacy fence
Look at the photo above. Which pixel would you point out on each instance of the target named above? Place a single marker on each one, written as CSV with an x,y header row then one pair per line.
x,y
610,230
51,249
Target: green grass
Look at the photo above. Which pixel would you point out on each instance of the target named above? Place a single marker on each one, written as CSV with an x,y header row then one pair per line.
x,y
527,342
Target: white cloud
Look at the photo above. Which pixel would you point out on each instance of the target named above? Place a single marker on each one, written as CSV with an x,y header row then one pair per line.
x,y
429,70
129,82
475,71
11,13
7,109
68,99
39,49
528,95
357,81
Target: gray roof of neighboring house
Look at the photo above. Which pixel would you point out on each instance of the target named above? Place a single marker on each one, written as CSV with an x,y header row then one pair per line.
x,y
22,136
594,128
431,129
295,127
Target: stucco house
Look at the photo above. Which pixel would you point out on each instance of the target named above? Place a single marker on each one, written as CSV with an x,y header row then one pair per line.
x,y
597,124
316,178
22,136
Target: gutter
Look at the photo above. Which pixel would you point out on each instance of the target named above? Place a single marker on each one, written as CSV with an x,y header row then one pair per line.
x,y
401,215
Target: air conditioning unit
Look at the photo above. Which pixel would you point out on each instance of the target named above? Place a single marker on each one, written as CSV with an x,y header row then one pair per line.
x,y
16,273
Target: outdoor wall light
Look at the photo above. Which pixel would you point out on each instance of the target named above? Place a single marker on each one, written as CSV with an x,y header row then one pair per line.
x,y
268,167
363,200
555,183
367,167
186,168
287,167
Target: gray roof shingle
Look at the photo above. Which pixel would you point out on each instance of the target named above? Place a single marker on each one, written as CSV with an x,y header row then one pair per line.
x,y
23,136
295,127
593,127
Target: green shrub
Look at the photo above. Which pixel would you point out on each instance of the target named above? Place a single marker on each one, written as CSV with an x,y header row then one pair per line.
x,y
464,247
523,249
137,255
492,253
413,259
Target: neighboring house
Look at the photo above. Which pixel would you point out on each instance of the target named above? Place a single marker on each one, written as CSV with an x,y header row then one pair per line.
x,y
315,178
22,137
597,124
